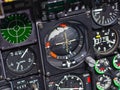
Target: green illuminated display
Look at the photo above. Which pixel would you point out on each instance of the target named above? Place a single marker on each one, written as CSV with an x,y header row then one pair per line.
x,y
116,79
116,61
101,66
16,28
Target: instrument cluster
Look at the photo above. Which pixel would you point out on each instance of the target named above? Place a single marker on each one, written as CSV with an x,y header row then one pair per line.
x,y
60,45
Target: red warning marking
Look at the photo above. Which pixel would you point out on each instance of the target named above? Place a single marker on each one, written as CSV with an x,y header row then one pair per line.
x,y
47,45
88,79
53,54
63,25
102,68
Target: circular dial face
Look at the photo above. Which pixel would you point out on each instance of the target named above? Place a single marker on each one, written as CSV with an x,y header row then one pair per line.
x,y
103,82
102,66
16,28
105,41
70,82
63,43
105,14
116,79
116,61
20,61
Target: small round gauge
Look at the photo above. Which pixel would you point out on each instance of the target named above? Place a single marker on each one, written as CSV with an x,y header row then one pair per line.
x,y
116,61
64,43
103,82
16,28
70,82
102,66
105,41
116,79
105,14
20,61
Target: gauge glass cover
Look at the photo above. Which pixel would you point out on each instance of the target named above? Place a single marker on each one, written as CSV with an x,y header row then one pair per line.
x,y
70,82
16,28
105,14
103,82
20,61
63,44
101,66
105,41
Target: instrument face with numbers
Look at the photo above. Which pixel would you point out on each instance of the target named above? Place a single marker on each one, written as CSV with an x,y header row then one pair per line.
x,y
63,44
20,61
116,61
105,14
102,65
103,82
70,82
116,79
105,41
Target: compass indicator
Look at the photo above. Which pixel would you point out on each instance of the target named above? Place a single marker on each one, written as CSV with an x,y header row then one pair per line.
x,y
16,28
63,44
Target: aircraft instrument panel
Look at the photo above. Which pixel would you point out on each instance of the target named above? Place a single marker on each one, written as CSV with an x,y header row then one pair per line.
x,y
59,45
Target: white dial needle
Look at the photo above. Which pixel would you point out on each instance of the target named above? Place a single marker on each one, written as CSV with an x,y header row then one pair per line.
x,y
98,10
24,53
18,64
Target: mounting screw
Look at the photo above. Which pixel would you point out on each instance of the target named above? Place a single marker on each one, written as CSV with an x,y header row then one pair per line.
x,y
1,77
48,73
39,71
8,78
40,25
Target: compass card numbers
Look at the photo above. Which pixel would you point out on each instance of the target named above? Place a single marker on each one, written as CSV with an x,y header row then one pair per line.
x,y
105,41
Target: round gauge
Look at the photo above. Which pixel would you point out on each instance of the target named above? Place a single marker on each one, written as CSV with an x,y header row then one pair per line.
x,y
64,43
20,61
116,61
105,41
103,82
116,79
101,66
106,14
16,28
70,82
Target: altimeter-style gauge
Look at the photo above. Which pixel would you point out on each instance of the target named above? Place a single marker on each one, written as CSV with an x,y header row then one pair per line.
x,y
20,61
102,65
16,28
105,14
103,82
116,61
116,79
63,43
70,82
105,41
